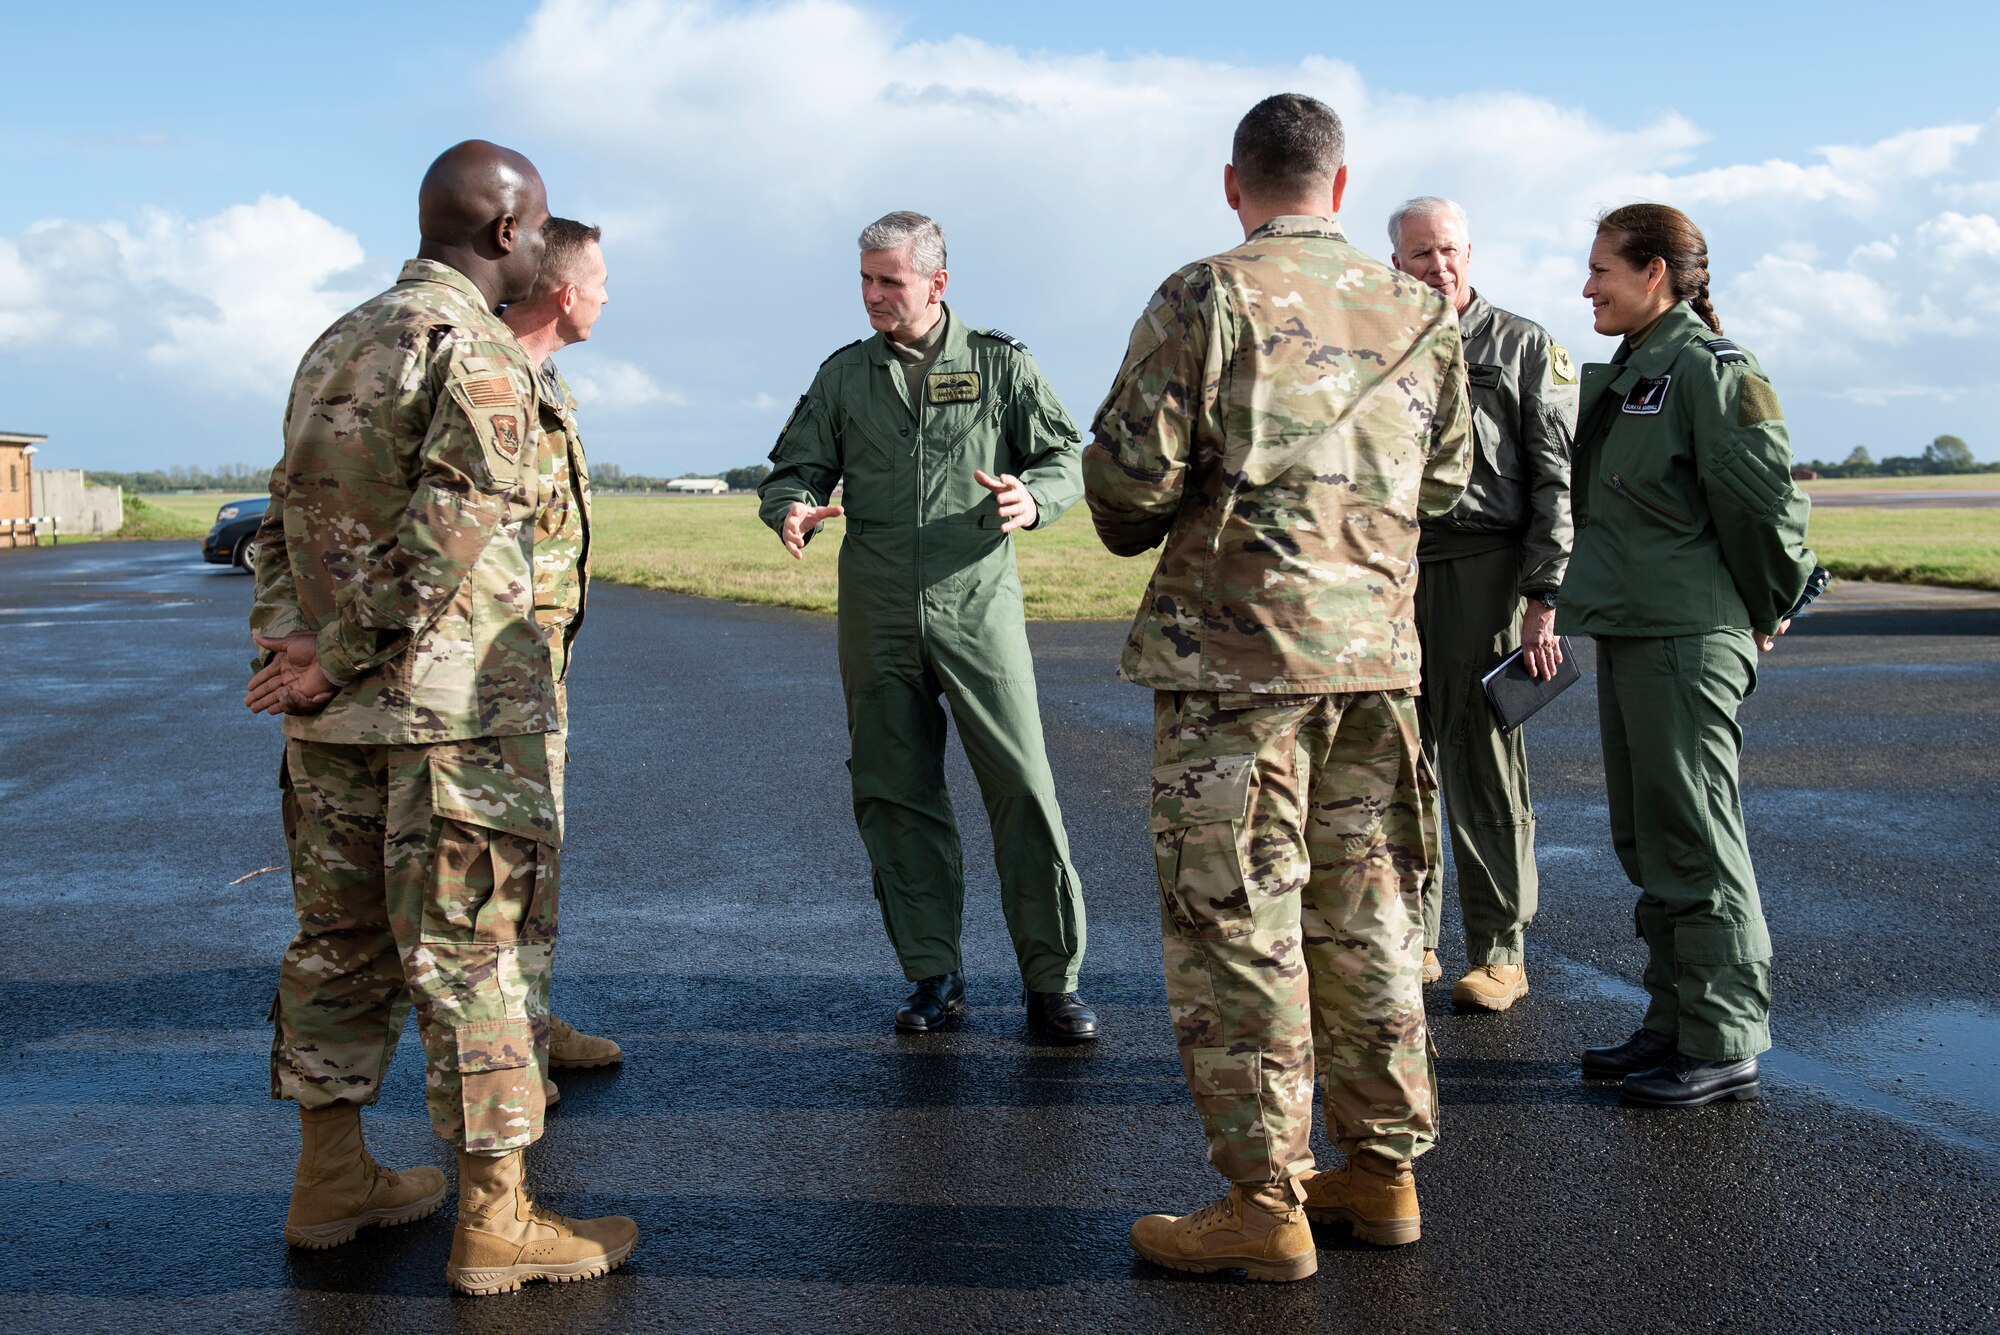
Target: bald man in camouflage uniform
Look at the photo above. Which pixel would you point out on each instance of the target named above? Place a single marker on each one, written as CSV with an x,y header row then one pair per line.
x,y
394,592
1285,414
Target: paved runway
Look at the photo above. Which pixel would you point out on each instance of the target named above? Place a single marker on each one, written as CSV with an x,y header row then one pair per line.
x,y
795,1166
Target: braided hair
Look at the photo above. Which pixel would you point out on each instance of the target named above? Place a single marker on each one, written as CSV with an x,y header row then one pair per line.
x,y
1648,232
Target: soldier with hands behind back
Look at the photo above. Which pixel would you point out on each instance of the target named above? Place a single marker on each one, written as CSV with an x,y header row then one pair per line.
x,y
948,441
1491,568
393,595
1286,413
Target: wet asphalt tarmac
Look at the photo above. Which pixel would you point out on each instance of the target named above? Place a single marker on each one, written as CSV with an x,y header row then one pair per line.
x,y
794,1165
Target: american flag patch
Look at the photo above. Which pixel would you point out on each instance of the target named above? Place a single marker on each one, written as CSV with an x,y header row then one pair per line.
x,y
496,393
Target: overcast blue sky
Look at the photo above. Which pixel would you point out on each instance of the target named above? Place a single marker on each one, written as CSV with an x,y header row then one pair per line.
x,y
195,191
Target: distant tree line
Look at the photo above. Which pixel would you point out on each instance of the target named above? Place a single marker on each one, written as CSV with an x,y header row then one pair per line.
x,y
1946,454
610,477
230,477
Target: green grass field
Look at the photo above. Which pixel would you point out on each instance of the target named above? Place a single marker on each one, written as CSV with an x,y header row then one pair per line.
x,y
714,547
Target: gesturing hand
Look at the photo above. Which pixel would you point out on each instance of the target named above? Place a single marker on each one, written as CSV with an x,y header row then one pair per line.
x,y
1770,642
1541,650
801,520
1017,503
291,683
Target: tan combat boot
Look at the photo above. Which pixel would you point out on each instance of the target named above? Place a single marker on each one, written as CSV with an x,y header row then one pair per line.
x,y
504,1239
567,1047
1432,969
1375,1194
1258,1230
1491,987
339,1189
550,1094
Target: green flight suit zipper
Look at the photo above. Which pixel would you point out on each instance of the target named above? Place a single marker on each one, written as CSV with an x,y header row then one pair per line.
x,y
1618,483
973,425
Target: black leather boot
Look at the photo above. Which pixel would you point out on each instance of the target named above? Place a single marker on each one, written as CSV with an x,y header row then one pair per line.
x,y
1060,1017
937,999
1643,1051
1682,1081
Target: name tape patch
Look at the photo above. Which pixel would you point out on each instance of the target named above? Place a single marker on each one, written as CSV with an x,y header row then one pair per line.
x,y
1648,396
952,387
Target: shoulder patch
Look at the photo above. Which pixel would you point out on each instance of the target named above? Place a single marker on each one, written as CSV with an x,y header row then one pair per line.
x,y
1561,369
1756,401
785,430
490,391
837,351
1724,351
1008,339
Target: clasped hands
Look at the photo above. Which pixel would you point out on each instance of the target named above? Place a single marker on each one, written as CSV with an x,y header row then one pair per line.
x,y
292,682
1017,510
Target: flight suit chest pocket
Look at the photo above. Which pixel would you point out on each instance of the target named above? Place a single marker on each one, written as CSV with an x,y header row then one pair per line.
x,y
1200,808
492,878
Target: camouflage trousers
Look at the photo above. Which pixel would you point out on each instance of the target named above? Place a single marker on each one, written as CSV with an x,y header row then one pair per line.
x,y
425,878
1291,841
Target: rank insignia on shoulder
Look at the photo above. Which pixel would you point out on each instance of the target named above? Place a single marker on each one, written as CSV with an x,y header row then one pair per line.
x,y
1725,351
837,351
1561,369
1008,339
1648,396
952,387
1482,377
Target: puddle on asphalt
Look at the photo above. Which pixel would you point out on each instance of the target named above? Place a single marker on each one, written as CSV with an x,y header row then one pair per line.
x,y
1948,1054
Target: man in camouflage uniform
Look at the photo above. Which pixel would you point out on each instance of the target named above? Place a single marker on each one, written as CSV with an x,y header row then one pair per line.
x,y
393,593
1491,568
569,294
1286,412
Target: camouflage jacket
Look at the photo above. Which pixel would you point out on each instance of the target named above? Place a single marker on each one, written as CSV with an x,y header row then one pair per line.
x,y
1523,415
1286,412
562,529
402,521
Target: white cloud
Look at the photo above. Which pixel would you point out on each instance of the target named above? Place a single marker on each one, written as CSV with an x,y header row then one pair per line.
x,y
1854,175
1954,238
618,386
229,301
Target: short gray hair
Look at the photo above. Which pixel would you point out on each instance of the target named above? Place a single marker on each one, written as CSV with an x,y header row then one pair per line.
x,y
924,237
1425,206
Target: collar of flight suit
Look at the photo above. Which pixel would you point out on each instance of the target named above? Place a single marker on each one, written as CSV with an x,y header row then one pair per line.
x,y
1298,224
1472,321
1674,331
953,349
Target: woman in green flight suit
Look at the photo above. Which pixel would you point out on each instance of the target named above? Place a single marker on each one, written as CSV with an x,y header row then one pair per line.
x,y
1689,557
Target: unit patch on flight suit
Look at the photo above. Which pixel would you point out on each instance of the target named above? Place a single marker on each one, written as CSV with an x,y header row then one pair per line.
x,y
952,387
1561,369
1648,396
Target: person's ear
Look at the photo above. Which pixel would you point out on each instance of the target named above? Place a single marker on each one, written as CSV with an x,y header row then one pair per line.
x,y
1232,189
1339,190
1656,273
938,281
506,233
566,298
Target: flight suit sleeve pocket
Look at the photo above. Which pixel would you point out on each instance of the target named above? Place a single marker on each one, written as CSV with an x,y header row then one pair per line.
x,y
1199,810
500,1091
1753,481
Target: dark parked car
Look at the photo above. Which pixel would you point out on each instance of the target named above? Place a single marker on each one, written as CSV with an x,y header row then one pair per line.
x,y
233,540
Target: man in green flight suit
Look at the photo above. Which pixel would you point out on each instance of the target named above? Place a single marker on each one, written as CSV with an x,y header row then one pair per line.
x,y
948,440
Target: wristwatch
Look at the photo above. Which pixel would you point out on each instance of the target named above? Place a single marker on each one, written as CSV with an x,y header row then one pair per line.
x,y
1547,598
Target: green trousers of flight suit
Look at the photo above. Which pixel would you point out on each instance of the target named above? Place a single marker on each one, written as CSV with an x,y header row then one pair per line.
x,y
1667,710
1468,618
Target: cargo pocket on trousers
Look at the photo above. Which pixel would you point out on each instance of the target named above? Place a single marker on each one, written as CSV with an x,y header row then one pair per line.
x,y
1722,943
493,876
500,1092
1199,809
